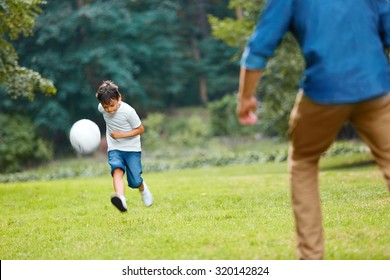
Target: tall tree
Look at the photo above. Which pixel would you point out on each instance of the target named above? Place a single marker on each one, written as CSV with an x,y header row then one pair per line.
x,y
18,18
205,50
281,78
142,45
78,44
202,23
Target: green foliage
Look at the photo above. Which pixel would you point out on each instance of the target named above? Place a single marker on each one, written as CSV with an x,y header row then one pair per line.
x,y
346,148
18,18
223,119
221,70
161,130
280,81
233,32
167,156
236,31
146,47
19,146
23,82
129,42
194,134
222,115
154,131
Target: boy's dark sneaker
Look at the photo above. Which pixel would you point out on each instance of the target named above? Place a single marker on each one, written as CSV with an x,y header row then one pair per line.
x,y
118,203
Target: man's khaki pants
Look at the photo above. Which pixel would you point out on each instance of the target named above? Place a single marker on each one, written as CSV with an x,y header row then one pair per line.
x,y
312,129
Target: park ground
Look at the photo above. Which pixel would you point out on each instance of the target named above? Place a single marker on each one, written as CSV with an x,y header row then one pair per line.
x,y
232,211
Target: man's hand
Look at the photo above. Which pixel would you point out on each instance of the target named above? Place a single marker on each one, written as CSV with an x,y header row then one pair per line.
x,y
247,102
246,109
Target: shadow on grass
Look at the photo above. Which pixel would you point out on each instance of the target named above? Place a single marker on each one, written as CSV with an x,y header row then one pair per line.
x,y
349,165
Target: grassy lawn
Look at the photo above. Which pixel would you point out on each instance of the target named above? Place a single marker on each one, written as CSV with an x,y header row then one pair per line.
x,y
231,212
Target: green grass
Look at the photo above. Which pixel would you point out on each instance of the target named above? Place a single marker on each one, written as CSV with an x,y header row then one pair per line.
x,y
231,212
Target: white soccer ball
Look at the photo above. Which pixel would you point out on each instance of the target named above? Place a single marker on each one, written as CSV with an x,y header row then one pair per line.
x,y
85,136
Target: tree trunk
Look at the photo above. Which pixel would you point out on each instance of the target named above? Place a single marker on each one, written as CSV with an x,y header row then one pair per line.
x,y
202,18
239,13
79,4
204,28
202,79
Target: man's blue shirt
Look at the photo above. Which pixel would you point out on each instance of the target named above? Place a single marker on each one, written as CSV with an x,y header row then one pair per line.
x,y
342,42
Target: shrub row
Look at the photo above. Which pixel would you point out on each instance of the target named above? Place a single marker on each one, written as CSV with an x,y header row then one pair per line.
x,y
158,164
19,144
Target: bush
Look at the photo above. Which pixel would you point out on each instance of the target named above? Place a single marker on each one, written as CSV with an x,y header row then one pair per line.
x,y
154,130
347,148
181,132
19,146
223,118
195,133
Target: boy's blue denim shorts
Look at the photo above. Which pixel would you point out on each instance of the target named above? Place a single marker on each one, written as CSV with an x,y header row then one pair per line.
x,y
130,163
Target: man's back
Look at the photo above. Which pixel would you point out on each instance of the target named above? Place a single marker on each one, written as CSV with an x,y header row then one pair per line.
x,y
341,43
342,48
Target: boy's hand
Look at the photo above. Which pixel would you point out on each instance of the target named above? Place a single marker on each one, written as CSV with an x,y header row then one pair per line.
x,y
116,134
125,134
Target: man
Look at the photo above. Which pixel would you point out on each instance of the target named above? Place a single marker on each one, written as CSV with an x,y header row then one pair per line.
x,y
347,78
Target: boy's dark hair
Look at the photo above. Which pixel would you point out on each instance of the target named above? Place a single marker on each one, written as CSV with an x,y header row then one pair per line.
x,y
107,91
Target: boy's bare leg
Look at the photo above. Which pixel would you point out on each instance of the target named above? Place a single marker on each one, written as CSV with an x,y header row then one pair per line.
x,y
119,199
119,185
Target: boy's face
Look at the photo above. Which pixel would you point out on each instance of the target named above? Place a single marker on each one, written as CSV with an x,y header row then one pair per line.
x,y
113,106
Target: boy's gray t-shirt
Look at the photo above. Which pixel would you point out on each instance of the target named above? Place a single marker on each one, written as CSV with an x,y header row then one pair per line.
x,y
124,119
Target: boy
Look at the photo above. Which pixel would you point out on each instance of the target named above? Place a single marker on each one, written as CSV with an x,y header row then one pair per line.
x,y
123,130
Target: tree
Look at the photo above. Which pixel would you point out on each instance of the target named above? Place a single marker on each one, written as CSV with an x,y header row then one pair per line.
x,y
18,18
210,64
280,80
142,45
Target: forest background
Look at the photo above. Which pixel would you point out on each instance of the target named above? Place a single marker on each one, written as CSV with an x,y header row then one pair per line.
x,y
164,55
177,64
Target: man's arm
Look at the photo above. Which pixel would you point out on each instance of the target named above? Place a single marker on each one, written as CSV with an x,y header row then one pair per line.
x,y
246,100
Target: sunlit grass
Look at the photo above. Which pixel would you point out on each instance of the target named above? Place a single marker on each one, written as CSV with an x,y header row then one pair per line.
x,y
232,212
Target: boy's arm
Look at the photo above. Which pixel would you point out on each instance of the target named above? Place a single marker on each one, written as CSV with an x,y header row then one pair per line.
x,y
125,134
